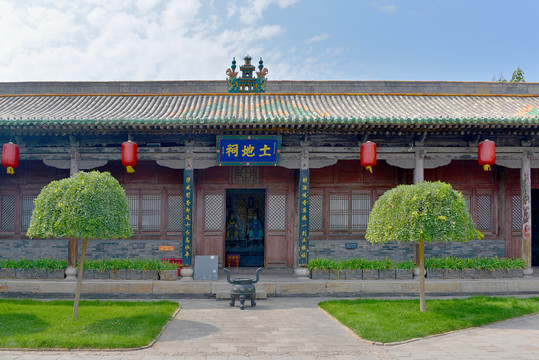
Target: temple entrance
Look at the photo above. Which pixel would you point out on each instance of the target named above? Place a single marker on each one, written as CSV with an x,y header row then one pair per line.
x,y
245,227
535,227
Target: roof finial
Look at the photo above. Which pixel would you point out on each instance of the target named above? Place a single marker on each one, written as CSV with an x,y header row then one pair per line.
x,y
247,83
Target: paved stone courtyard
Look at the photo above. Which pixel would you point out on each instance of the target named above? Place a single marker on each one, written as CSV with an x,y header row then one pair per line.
x,y
294,328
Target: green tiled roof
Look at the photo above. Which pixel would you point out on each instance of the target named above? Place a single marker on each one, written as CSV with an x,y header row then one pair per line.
x,y
186,111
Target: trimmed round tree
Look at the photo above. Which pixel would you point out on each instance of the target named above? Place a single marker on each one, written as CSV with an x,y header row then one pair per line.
x,y
88,205
424,212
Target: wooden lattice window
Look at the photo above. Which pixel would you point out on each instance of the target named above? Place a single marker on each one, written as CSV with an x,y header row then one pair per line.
x,y
213,212
316,212
480,206
516,213
245,174
484,212
7,215
175,213
151,213
133,201
155,213
339,205
26,210
361,208
276,219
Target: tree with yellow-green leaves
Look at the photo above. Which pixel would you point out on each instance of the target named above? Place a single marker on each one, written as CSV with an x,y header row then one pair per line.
x,y
88,205
423,212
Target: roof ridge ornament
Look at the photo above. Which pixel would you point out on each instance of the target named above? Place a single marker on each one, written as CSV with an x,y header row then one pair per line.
x,y
247,83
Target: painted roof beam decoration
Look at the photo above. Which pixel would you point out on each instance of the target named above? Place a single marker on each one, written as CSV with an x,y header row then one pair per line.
x,y
247,83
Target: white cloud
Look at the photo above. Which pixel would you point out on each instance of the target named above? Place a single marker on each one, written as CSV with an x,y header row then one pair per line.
x,y
286,3
390,9
109,40
252,11
317,38
122,40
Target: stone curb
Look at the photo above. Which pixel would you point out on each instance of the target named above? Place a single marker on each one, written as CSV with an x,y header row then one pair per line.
x,y
125,289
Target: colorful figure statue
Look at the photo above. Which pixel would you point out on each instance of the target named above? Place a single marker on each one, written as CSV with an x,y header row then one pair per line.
x,y
232,229
256,231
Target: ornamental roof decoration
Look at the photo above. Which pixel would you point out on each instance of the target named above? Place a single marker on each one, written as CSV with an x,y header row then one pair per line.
x,y
246,83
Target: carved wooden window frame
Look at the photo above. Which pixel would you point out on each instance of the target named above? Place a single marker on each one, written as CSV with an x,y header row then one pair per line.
x,y
164,193
349,194
18,230
473,194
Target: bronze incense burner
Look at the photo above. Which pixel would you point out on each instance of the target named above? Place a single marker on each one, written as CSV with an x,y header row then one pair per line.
x,y
243,289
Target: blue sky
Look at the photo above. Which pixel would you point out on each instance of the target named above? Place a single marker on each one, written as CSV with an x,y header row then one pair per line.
x,y
446,40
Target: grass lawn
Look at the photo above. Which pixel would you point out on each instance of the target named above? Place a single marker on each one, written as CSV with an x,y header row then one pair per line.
x,y
397,320
100,324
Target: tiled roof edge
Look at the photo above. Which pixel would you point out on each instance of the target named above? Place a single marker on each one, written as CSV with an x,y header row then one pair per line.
x,y
275,94
273,87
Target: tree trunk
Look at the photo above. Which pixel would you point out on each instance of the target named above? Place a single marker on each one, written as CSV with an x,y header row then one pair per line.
x,y
79,279
73,252
422,303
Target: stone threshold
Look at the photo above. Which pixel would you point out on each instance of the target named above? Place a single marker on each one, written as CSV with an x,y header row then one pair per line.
x,y
140,289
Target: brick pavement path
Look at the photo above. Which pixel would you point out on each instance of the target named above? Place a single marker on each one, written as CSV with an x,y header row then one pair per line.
x,y
511,339
294,328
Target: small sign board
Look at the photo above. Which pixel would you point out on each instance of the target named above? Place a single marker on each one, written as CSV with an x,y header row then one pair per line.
x,y
350,245
166,248
248,150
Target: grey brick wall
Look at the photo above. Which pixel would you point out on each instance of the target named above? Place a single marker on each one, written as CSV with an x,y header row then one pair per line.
x,y
97,249
336,249
101,249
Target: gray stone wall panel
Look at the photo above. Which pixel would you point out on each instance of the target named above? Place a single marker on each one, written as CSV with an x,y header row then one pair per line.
x,y
336,249
97,249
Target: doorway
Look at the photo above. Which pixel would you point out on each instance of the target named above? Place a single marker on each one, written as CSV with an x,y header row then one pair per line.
x,y
535,227
245,227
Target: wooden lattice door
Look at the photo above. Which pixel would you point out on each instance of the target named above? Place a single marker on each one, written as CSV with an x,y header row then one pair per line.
x,y
278,243
212,214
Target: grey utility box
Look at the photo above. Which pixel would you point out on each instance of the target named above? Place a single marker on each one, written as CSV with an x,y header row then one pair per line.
x,y
206,267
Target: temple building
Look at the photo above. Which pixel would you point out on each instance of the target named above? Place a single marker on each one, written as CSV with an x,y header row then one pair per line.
x,y
269,173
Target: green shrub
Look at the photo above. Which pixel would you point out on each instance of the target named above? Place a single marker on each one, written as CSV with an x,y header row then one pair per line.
x,y
99,265
436,262
38,264
406,265
129,264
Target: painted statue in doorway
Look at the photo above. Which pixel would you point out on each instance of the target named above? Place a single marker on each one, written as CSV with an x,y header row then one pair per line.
x,y
232,227
256,231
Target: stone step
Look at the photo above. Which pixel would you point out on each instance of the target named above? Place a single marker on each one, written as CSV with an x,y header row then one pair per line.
x,y
225,295
249,272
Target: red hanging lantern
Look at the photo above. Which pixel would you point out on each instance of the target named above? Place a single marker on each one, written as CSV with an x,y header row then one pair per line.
x,y
368,155
129,155
10,157
487,154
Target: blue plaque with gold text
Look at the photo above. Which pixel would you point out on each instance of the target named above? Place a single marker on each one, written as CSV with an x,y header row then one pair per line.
x,y
248,150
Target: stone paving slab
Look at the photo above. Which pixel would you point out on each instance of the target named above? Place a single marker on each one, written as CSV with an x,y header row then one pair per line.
x,y
511,339
295,328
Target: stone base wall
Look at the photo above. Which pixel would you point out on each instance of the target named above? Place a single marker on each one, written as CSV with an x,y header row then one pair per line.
x,y
337,249
96,249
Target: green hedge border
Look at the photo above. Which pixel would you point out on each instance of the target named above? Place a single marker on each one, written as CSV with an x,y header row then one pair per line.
x,y
49,264
449,262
